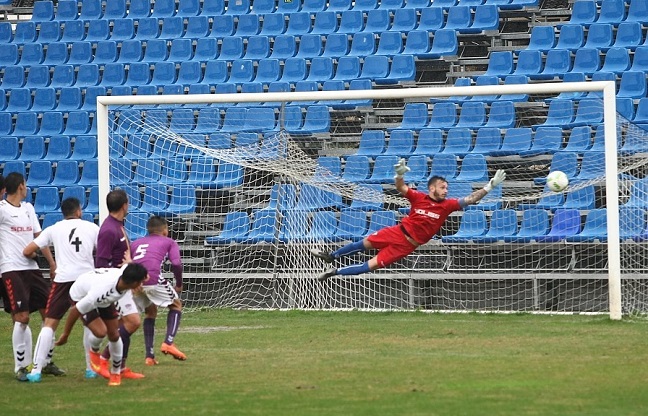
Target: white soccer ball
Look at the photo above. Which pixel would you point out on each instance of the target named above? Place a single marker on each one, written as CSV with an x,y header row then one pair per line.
x,y
557,181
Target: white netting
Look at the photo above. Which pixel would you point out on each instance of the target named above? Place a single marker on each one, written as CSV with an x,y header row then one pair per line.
x,y
248,199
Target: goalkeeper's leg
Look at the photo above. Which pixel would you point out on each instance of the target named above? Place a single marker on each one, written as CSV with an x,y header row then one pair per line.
x,y
346,250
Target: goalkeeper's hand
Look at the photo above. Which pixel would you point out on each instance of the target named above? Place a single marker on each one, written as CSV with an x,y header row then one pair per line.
x,y
497,179
401,169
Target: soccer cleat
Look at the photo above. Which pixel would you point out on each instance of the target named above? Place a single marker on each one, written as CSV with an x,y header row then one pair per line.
x,y
34,378
329,273
171,349
90,374
53,369
95,361
151,361
114,380
327,257
21,374
103,368
128,373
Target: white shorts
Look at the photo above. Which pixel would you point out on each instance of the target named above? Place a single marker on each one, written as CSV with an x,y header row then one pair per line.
x,y
163,294
126,305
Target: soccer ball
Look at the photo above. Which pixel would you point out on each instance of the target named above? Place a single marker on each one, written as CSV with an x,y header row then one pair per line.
x,y
557,181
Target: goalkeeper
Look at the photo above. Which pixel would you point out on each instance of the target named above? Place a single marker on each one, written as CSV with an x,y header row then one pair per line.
x,y
427,214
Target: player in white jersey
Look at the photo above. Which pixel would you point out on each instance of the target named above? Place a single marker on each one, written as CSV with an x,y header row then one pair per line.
x,y
95,294
25,286
74,241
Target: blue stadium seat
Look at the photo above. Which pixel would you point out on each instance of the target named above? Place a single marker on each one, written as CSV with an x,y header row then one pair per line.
x,y
236,226
51,123
197,27
444,165
47,199
14,166
10,149
375,68
292,226
390,44
135,225
560,113
49,32
417,43
583,198
147,171
97,30
459,18
377,21
174,171
38,76
458,141
445,43
565,223
401,143
380,220
566,162
156,199
26,124
78,122
130,51
9,54
75,191
323,226
501,115
247,25
74,31
571,37
33,148
298,23
326,22
356,168
473,224
56,54
529,63
282,197
90,98
543,38
583,13
231,49
351,226
20,99
391,5
557,63
115,10
628,35
66,174
473,168
419,168
229,175
87,75
535,222
473,115
212,8
415,116
515,140
580,140
123,29
430,141
6,32
163,8
268,71
43,11
63,76
164,73
139,74
480,81
70,99
352,21
328,169
503,223
633,85
599,36
40,173
403,68
587,61
91,10
500,64
274,24
138,146
547,141
383,171
85,147
89,173
611,11
310,46
444,115
258,47
25,32
430,18
372,143
337,45
594,229
404,20
589,113
284,47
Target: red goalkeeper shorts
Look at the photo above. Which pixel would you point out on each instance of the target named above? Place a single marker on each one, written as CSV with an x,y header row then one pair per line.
x,y
391,245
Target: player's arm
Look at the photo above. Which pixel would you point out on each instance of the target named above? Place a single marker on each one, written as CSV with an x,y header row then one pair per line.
x,y
477,196
47,253
400,169
30,250
176,265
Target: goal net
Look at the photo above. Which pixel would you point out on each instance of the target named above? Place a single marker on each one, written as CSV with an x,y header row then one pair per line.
x,y
250,183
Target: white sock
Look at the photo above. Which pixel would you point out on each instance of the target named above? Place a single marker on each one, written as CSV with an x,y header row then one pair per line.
x,y
116,352
19,346
94,342
28,345
43,344
87,346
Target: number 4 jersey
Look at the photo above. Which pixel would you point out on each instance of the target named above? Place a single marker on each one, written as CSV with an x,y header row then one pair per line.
x,y
74,241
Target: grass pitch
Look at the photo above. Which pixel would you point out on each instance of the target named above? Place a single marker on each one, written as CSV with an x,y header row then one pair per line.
x,y
357,363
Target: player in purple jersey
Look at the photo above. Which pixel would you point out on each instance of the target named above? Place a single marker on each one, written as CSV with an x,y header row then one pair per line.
x,y
428,212
112,244
151,252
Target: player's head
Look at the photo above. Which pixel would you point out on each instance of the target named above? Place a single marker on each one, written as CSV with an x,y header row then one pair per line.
x,y
15,184
157,225
437,188
71,208
117,202
133,276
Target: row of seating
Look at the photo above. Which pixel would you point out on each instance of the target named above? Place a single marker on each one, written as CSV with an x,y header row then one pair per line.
x,y
378,68
538,226
55,148
600,36
51,123
463,18
66,10
488,141
472,115
586,12
47,199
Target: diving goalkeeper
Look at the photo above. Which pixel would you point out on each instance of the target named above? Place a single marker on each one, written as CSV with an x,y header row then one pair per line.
x,y
427,214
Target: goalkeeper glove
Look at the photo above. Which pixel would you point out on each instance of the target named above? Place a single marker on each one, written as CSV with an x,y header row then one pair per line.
x,y
499,177
401,169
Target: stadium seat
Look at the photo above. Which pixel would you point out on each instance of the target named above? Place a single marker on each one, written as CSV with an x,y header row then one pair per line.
x,y
323,226
74,31
348,68
401,143
87,75
63,76
356,168
155,200
75,191
51,124
14,166
444,165
263,229
316,120
557,63
25,32
247,25
583,198
174,171
66,173
163,8
633,85
258,47
515,140
282,197
444,115
33,148
89,173
38,77
70,99
377,21
611,11
31,54
583,13
560,113
472,115
383,169
299,23
563,161
274,24
294,226
20,99
47,199
617,60
415,116
135,225
529,63
403,68
571,37
380,220
599,36
473,168
56,54
10,149
367,197
351,226
594,229
26,124
500,64
417,43
372,143
229,175
375,68
638,190
389,44
236,226
444,44
473,224
535,222
547,141
115,10
351,21
503,223
419,170
40,173
430,141
458,142
43,11
85,147
580,140
543,38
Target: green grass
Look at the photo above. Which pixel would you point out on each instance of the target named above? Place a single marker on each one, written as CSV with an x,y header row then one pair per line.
x,y
355,363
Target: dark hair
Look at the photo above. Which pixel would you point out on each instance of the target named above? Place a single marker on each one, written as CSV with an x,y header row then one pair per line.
x,y
155,224
69,206
116,199
134,273
434,179
2,182
13,181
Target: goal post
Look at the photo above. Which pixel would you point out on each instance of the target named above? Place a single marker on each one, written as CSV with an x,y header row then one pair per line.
x,y
275,270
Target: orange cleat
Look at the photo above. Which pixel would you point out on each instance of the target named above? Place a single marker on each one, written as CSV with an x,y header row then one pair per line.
x,y
128,373
103,368
95,360
114,380
151,361
171,349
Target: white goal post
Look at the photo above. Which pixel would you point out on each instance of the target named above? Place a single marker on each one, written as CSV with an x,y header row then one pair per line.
x,y
105,124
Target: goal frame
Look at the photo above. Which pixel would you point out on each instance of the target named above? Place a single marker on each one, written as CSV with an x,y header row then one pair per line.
x,y
607,88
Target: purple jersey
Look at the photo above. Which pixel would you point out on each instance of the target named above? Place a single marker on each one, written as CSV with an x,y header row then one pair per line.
x,y
151,251
112,243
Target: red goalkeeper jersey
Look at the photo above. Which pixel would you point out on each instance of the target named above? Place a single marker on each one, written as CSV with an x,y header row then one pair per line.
x,y
426,216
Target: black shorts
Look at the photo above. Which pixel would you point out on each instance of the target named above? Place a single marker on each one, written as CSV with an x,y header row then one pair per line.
x,y
27,290
107,313
59,300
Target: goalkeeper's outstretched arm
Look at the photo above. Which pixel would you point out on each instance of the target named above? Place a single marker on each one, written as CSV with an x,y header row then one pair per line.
x,y
476,196
400,169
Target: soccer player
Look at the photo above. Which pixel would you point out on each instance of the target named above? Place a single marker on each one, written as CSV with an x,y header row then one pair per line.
x,y
151,251
427,214
74,241
26,288
112,245
95,294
